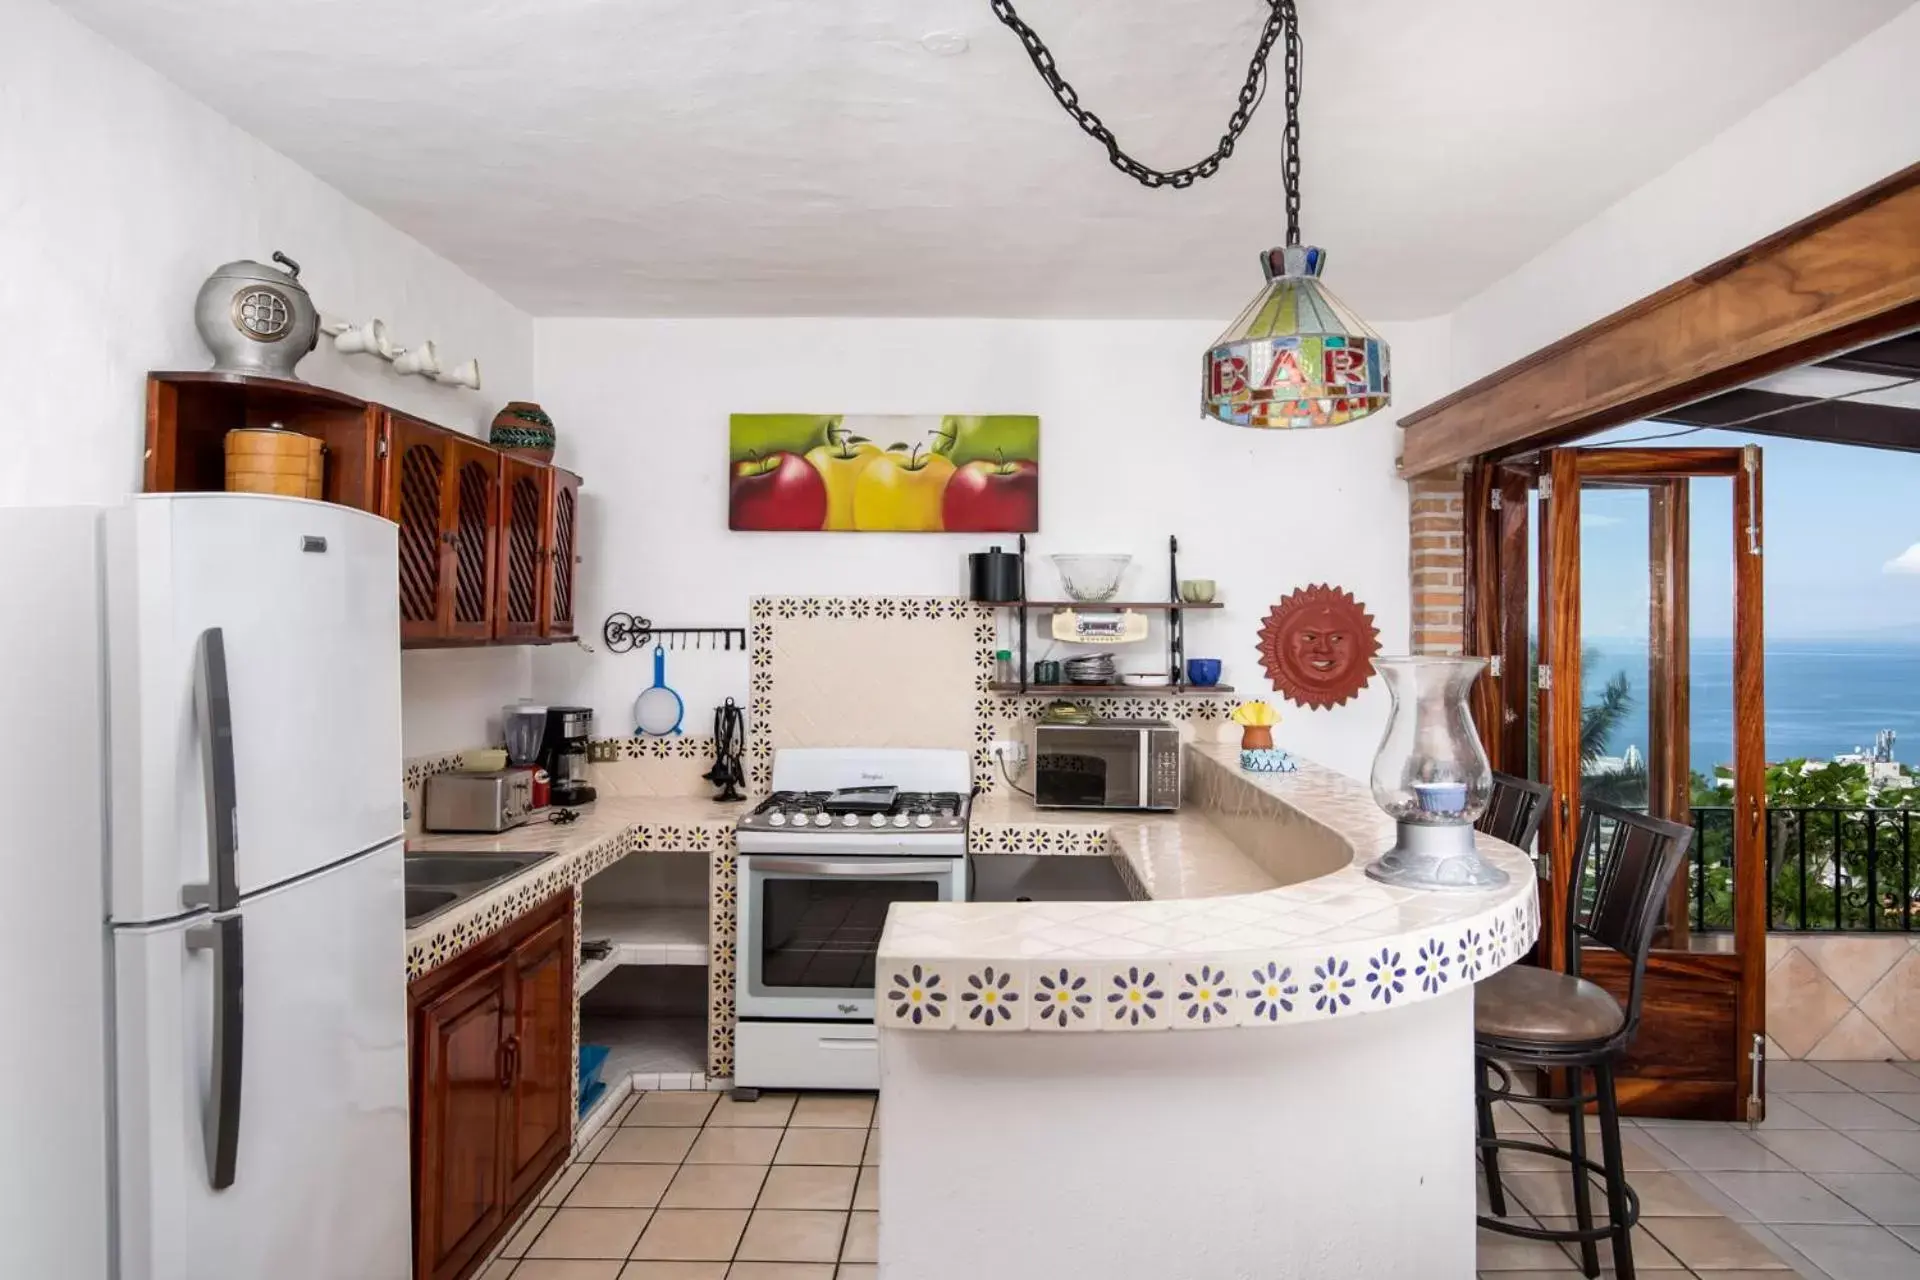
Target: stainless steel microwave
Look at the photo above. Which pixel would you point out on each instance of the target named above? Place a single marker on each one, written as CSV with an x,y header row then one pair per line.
x,y
1108,764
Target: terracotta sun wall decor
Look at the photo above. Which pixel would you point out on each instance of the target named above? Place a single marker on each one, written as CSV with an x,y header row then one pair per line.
x,y
1317,646
952,473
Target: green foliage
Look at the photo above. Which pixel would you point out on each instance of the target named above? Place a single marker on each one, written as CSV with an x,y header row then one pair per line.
x,y
1855,843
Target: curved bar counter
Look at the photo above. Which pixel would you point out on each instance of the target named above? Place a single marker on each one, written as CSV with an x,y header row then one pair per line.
x,y
1321,1102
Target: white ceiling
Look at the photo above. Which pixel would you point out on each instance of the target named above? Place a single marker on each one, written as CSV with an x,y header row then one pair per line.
x,y
810,157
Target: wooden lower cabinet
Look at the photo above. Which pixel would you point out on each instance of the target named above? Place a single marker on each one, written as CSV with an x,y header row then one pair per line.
x,y
540,1126
492,1044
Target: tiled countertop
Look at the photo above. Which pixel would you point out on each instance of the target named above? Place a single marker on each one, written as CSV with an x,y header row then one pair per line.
x,y
1259,911
607,830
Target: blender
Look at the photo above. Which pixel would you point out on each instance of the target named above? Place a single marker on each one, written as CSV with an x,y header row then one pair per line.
x,y
525,727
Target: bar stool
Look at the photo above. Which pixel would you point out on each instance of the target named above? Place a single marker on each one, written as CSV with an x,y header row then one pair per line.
x,y
1518,807
1535,1017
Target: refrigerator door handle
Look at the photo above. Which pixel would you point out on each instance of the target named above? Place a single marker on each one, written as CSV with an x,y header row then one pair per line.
x,y
220,1123
214,709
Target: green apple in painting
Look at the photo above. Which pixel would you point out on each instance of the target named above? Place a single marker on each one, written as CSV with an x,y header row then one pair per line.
x,y
752,435
840,462
990,437
778,491
993,497
900,491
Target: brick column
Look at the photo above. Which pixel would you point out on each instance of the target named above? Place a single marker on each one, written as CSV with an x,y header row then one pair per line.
x,y
1437,563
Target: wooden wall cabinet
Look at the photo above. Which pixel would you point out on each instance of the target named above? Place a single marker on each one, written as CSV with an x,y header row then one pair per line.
x,y
563,553
489,543
492,1046
523,549
443,490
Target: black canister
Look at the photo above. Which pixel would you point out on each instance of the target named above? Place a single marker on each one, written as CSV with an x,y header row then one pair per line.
x,y
993,576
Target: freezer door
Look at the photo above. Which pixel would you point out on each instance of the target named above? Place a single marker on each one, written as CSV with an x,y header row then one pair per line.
x,y
266,1050
255,669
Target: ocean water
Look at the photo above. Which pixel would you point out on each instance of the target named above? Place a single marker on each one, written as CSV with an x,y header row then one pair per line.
x,y
1823,697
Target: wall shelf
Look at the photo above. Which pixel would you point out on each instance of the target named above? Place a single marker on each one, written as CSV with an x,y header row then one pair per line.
x,y
1111,690
1108,606
1175,608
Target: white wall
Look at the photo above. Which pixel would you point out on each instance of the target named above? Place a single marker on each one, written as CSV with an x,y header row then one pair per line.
x,y
1846,125
118,194
642,409
1333,1150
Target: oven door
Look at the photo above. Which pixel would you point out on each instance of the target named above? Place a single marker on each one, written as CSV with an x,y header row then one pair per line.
x,y
810,927
1088,768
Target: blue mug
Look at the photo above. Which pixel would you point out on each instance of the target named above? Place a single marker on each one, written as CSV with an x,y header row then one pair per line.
x,y
1203,671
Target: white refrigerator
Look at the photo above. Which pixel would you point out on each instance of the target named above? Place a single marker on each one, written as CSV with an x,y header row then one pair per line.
x,y
214,708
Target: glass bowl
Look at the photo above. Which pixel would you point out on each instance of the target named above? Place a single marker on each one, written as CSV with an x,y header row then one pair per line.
x,y
1091,577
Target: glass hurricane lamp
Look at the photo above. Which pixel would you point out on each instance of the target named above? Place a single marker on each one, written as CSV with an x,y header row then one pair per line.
x,y
1432,777
1296,357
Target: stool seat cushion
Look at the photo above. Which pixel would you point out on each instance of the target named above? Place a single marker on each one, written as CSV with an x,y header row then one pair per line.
x,y
1529,1004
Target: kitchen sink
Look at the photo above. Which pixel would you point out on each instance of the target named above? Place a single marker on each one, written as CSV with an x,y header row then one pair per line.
x,y
465,868
422,903
436,881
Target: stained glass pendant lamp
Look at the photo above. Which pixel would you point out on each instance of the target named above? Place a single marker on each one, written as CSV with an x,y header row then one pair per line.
x,y
1296,357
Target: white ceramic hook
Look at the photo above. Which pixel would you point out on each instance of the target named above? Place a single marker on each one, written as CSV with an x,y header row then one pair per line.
x,y
370,338
422,360
464,375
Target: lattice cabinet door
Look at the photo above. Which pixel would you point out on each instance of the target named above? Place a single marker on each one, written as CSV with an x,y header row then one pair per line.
x,y
419,467
523,557
563,554
472,529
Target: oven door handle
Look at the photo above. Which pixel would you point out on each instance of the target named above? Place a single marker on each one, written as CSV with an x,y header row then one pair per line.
x,y
928,868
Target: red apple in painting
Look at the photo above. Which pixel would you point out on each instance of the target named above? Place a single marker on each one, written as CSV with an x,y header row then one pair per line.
x,y
777,491
993,497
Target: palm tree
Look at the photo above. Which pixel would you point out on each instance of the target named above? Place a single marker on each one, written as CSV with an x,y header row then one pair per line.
x,y
1599,720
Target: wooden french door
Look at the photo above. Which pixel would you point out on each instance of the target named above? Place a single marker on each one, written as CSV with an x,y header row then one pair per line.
x,y
1697,1053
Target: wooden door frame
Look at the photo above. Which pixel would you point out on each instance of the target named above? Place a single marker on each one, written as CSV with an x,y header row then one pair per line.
x,y
1846,276
1665,475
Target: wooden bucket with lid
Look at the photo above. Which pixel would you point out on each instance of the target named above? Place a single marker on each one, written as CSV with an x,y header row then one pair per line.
x,y
274,460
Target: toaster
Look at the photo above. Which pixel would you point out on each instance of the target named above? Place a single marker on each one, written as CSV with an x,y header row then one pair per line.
x,y
494,801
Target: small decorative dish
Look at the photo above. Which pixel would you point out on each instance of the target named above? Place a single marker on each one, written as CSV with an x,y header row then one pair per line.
x,y
1267,760
1146,679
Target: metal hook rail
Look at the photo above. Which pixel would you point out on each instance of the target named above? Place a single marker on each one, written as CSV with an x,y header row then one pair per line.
x,y
625,631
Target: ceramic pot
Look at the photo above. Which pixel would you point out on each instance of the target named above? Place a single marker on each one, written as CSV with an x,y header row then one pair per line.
x,y
1256,737
523,428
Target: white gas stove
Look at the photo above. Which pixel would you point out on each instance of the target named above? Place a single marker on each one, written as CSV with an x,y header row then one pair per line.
x,y
846,833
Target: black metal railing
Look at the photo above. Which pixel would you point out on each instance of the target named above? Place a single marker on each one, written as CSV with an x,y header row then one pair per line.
x,y
1832,870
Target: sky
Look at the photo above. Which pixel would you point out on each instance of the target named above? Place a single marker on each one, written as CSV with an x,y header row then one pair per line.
x,y
1841,540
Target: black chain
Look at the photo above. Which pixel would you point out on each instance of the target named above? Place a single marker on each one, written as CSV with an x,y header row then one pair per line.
x,y
1281,21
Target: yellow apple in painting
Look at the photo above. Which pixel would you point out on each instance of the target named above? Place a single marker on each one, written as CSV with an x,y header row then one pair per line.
x,y
840,462
900,492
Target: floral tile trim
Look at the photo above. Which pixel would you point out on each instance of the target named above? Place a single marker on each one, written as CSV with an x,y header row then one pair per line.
x,y
1037,838
1063,1000
679,746
1301,983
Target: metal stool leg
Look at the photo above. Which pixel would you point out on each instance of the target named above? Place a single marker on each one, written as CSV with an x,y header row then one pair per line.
x,y
1489,1155
1582,1183
1617,1213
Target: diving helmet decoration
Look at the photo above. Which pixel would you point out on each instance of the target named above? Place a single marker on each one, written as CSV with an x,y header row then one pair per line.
x,y
256,319
1317,646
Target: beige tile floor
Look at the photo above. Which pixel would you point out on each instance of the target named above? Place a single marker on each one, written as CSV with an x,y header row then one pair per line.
x,y
1825,1187
693,1186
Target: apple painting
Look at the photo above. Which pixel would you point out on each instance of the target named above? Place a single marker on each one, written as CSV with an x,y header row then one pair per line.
x,y
992,497
944,473
778,491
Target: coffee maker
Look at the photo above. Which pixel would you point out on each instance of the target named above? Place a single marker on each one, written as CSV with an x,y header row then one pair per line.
x,y
564,753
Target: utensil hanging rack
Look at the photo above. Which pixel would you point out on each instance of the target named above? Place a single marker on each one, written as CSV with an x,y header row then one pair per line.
x,y
623,632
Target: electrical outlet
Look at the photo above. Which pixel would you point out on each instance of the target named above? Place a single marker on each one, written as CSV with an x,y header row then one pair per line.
x,y
603,750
